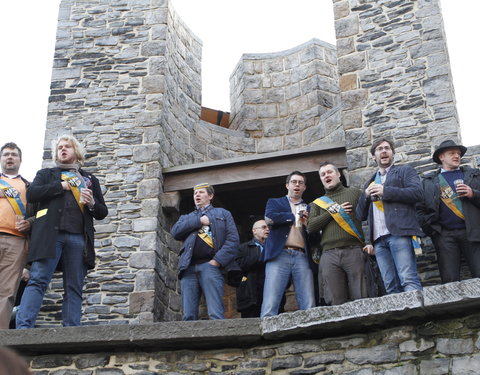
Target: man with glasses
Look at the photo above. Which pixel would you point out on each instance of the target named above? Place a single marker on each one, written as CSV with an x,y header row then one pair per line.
x,y
286,249
250,290
388,202
13,228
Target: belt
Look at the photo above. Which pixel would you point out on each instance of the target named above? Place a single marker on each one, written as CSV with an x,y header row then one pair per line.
x,y
294,248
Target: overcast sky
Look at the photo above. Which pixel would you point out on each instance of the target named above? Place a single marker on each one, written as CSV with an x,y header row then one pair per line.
x,y
228,28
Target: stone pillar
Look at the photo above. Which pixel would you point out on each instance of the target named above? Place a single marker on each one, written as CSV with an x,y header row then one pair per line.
x,y
395,80
126,82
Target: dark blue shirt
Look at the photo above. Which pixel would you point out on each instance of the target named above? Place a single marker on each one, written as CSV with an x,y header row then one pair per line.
x,y
447,219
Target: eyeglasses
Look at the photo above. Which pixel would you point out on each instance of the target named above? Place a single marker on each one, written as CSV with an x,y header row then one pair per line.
x,y
297,182
380,149
262,227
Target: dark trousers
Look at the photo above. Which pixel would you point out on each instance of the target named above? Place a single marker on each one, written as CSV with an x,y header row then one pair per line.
x,y
449,245
343,274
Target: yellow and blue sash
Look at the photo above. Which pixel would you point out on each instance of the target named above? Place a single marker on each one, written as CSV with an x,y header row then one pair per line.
x,y
13,197
450,197
378,203
205,234
340,216
76,183
416,241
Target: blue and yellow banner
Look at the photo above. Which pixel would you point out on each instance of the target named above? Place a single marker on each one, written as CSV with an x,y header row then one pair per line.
x,y
76,183
340,216
450,197
13,197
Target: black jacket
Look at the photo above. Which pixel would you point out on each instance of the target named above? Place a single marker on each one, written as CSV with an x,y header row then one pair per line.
x,y
428,209
46,190
250,291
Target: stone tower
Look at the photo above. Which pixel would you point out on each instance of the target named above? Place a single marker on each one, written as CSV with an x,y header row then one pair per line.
x,y
127,83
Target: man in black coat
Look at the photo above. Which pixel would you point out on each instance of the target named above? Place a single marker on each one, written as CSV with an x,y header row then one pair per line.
x,y
450,212
250,291
68,198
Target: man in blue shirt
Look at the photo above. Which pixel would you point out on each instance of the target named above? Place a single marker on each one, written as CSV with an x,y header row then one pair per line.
x,y
286,249
450,212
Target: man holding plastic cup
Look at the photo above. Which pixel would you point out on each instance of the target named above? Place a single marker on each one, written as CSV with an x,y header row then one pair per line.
x,y
450,212
342,263
63,232
286,250
13,228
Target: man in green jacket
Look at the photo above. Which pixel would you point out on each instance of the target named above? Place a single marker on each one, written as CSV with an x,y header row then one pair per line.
x,y
343,260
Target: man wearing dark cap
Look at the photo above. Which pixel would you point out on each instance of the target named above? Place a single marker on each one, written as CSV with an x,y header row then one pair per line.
x,y
210,246
450,212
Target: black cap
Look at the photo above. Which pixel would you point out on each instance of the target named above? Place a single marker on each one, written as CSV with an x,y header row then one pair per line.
x,y
446,145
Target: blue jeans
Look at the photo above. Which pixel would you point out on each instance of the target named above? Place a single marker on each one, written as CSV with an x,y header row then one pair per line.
x,y
277,274
69,247
204,278
397,264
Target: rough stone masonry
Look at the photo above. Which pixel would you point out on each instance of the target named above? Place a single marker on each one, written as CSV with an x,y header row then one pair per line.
x,y
126,81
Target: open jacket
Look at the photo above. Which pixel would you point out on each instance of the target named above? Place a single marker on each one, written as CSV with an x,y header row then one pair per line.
x,y
250,290
225,240
278,214
428,210
47,192
401,191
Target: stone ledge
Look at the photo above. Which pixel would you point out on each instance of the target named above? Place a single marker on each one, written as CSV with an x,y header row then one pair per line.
x,y
456,299
166,335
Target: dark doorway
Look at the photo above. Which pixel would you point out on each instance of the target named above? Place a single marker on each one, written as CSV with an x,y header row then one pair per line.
x,y
246,200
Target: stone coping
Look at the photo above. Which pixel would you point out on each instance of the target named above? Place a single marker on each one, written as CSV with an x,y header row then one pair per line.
x,y
436,302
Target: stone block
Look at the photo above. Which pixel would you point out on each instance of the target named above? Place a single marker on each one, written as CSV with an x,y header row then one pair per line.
x,y
141,302
153,84
351,63
149,189
341,9
357,138
352,119
145,225
142,259
61,74
347,26
125,241
267,111
357,158
375,354
454,346
354,99
269,144
416,346
348,82
437,366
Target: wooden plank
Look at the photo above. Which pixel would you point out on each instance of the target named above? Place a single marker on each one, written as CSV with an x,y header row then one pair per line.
x,y
251,170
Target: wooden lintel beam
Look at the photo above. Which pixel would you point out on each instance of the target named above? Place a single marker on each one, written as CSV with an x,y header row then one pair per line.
x,y
252,170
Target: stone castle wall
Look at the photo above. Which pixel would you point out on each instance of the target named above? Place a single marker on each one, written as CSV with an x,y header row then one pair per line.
x,y
280,97
435,331
126,82
395,80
